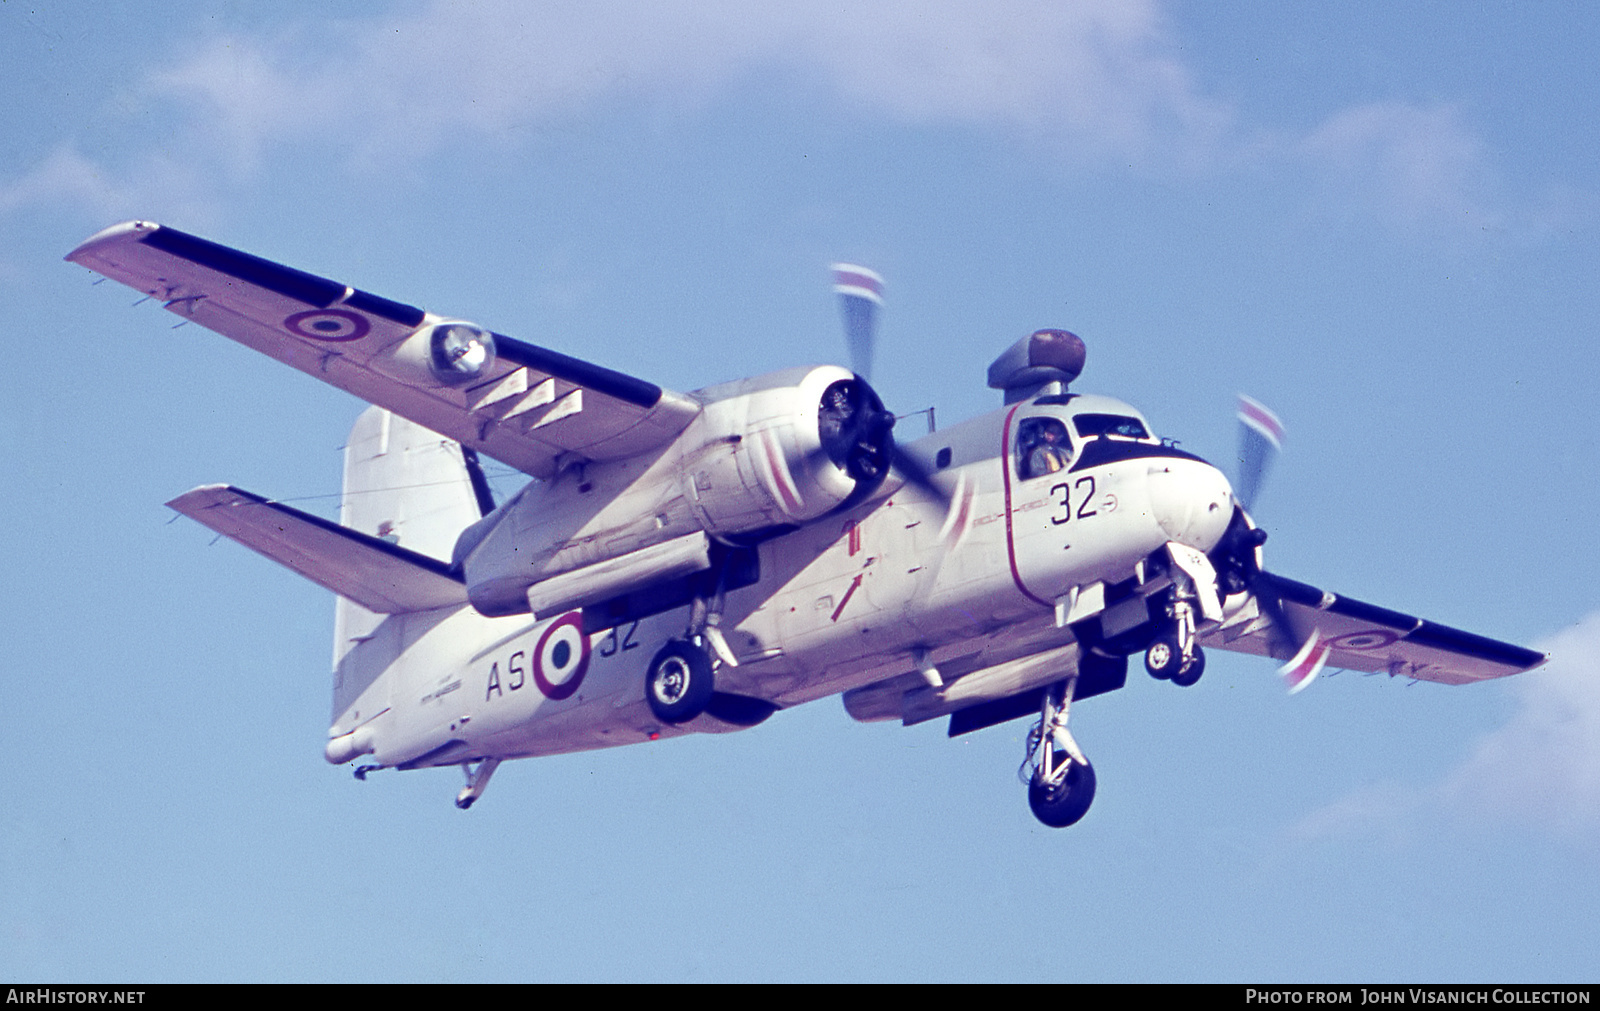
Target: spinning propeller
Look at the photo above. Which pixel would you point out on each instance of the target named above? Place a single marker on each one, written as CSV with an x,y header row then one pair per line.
x,y
1260,441
856,428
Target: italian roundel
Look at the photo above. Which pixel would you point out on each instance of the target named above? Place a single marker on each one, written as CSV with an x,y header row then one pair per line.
x,y
337,325
562,657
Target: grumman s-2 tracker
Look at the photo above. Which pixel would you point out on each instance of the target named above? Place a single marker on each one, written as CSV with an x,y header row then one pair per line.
x,y
696,562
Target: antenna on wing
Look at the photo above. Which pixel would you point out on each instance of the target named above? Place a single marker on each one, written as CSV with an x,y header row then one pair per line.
x,y
860,294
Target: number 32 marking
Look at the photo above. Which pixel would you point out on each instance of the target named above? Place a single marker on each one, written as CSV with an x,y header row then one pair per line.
x,y
610,646
1066,492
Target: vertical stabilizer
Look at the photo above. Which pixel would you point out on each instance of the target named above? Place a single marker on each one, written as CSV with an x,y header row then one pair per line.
x,y
412,487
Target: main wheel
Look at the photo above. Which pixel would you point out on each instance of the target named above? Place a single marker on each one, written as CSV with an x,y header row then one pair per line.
x,y
678,684
1187,674
1162,658
1060,806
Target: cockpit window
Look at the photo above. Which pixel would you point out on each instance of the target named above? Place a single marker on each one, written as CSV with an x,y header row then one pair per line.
x,y
1093,425
1043,447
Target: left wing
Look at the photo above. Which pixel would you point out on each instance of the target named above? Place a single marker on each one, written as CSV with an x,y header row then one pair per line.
x,y
1364,637
532,408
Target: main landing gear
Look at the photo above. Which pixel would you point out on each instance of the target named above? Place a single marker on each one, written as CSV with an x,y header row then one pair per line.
x,y
679,684
1174,654
1060,779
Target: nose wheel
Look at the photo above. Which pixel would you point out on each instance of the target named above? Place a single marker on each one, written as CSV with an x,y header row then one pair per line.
x,y
1175,654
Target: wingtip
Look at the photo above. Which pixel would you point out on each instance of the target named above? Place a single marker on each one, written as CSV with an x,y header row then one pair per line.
x,y
199,498
116,234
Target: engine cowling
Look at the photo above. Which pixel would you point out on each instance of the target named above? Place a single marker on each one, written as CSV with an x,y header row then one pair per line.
x,y
786,449
765,454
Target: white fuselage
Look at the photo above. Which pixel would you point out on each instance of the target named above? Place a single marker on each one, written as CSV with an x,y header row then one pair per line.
x,y
852,599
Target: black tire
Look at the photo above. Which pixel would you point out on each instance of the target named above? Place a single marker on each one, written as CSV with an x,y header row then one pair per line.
x,y
1188,674
1162,657
1063,805
678,685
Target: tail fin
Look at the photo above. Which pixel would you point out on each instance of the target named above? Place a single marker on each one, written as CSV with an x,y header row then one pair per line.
x,y
409,486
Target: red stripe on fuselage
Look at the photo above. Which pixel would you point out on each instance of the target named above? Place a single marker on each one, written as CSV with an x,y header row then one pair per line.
x,y
1011,546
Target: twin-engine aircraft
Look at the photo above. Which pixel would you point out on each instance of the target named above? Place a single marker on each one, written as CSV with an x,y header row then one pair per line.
x,y
695,562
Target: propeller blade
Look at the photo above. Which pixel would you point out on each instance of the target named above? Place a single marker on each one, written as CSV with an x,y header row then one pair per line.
x,y
1260,439
1305,662
1283,637
860,294
917,474
1303,669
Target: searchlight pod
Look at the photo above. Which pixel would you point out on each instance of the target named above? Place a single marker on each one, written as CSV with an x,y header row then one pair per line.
x,y
1043,358
444,354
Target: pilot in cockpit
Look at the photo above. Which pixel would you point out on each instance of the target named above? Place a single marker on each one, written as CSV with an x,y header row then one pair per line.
x,y
1042,447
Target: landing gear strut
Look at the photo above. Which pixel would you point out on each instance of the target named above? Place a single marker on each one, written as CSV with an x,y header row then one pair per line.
x,y
1175,655
681,683
1060,779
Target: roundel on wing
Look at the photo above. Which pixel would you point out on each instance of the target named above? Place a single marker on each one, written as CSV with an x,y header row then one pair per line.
x,y
562,657
1375,639
328,325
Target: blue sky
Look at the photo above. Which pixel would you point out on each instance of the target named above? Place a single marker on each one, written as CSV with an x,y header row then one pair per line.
x,y
1382,220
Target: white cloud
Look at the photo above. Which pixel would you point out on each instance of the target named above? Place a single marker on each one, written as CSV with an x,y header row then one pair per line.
x,y
63,174
1412,164
1097,74
1095,81
1545,763
1541,767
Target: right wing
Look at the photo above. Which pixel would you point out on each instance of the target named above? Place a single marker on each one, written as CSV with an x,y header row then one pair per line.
x,y
532,409
1365,637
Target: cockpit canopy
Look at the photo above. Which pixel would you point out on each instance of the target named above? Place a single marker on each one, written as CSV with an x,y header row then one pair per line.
x,y
1053,430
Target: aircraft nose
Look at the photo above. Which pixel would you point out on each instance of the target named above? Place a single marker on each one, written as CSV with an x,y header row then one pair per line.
x,y
1192,501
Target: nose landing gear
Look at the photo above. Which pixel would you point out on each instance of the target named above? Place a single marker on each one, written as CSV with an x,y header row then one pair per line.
x,y
1174,654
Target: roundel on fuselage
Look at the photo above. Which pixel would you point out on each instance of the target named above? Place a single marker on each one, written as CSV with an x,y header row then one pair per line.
x,y
562,657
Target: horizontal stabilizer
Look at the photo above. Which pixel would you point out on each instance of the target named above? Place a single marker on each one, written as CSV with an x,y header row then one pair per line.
x,y
381,577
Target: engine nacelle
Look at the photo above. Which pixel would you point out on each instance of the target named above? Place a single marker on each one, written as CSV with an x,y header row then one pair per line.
x,y
449,353
765,454
785,449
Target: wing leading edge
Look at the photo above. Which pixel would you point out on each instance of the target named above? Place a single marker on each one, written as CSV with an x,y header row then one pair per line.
x,y
533,408
1365,637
